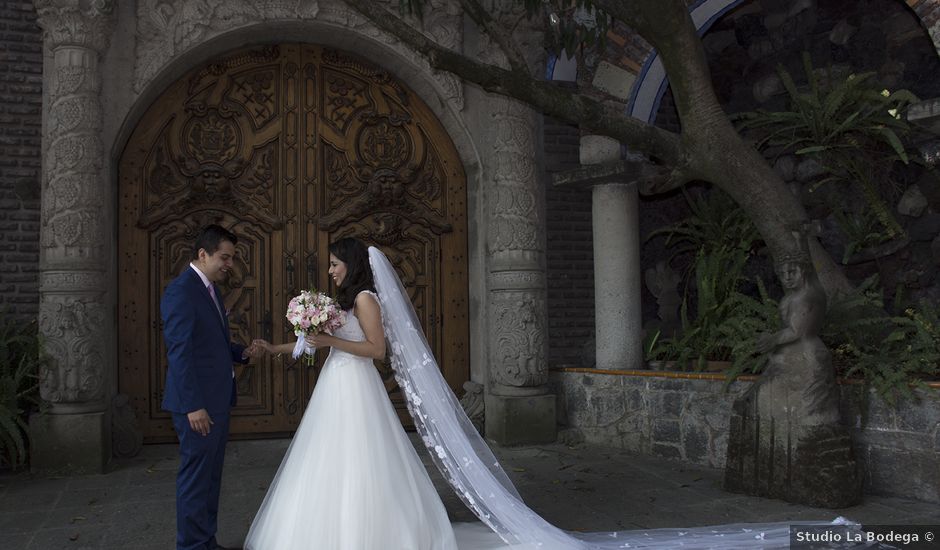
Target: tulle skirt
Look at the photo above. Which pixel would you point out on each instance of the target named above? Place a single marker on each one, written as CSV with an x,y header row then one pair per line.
x,y
351,479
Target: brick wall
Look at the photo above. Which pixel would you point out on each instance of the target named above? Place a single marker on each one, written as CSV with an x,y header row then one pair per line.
x,y
20,133
570,253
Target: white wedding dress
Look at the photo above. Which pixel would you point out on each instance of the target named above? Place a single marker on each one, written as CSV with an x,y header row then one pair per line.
x,y
351,479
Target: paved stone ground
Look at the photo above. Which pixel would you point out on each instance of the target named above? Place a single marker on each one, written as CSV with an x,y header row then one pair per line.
x,y
578,488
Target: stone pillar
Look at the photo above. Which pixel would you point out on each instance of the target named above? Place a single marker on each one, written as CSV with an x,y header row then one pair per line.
x,y
75,319
618,314
519,408
618,317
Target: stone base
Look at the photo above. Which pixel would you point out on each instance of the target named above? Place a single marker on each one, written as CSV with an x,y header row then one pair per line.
x,y
524,420
811,465
69,444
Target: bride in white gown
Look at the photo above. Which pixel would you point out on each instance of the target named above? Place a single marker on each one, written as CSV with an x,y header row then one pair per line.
x,y
351,479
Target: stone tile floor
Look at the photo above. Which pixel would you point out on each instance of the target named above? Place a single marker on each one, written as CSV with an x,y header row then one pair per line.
x,y
583,487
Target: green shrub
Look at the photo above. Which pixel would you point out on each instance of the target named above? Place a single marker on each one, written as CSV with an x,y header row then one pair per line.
x,y
726,321
20,358
890,352
857,135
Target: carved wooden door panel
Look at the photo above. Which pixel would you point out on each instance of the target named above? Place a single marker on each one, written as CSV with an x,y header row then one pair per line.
x,y
291,147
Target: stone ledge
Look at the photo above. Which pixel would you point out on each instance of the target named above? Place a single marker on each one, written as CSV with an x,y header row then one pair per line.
x,y
898,447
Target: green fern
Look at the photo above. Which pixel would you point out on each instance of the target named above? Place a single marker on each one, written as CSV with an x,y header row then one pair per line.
x,y
851,129
715,221
890,353
725,317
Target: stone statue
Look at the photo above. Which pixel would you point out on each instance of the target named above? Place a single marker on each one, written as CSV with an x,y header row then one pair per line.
x,y
799,361
786,440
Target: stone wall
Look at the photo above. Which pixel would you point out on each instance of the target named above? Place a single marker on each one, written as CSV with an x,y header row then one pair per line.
x,y
569,253
20,150
687,419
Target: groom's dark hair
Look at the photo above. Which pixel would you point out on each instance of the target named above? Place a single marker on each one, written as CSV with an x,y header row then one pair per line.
x,y
355,255
210,237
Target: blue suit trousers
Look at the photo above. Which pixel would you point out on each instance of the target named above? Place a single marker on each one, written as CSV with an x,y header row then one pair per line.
x,y
199,481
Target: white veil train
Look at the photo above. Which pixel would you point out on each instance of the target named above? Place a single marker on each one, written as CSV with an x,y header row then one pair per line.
x,y
468,464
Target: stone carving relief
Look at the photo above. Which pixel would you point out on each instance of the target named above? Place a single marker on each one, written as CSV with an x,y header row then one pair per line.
x,y
72,219
443,23
167,28
515,205
75,339
516,278
83,23
72,281
518,335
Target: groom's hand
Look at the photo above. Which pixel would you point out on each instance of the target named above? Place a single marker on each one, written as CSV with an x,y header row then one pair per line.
x,y
199,421
260,347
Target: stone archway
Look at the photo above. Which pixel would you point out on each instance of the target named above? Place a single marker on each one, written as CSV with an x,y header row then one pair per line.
x,y
93,65
290,145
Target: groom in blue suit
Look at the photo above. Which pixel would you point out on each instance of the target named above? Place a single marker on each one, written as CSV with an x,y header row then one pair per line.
x,y
200,385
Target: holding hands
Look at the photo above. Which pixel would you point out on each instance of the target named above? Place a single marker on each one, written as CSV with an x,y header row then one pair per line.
x,y
261,347
255,350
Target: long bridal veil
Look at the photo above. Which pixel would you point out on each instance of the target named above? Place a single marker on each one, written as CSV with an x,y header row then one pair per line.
x,y
468,464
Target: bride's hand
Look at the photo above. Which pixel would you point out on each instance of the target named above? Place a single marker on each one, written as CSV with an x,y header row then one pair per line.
x,y
319,340
263,344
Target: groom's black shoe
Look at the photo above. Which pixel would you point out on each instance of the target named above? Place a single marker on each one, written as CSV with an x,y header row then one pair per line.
x,y
220,547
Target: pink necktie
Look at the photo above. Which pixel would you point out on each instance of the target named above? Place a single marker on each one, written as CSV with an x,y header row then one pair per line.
x,y
215,300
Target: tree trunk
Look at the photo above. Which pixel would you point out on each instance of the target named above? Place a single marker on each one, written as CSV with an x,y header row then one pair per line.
x,y
715,151
708,148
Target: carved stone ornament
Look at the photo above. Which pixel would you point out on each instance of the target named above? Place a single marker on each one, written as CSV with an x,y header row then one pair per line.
x,y
82,23
73,223
518,335
75,340
473,404
514,206
168,28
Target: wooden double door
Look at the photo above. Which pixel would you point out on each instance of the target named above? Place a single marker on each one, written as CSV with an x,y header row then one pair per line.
x,y
290,146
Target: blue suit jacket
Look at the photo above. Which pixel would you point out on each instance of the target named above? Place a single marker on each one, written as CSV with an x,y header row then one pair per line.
x,y
199,348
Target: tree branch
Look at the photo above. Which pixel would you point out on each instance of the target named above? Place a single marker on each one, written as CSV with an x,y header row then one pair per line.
x,y
497,33
552,100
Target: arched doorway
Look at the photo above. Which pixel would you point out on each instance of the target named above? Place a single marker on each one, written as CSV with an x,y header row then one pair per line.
x,y
291,146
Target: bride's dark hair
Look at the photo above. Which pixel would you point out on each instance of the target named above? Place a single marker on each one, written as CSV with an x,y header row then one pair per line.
x,y
355,255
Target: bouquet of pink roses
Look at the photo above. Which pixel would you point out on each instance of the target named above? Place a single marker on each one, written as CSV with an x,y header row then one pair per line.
x,y
309,313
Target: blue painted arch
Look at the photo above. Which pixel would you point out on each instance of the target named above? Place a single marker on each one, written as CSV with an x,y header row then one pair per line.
x,y
651,83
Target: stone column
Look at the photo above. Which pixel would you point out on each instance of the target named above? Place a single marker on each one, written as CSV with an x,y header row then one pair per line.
x,y
519,408
618,315
75,319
